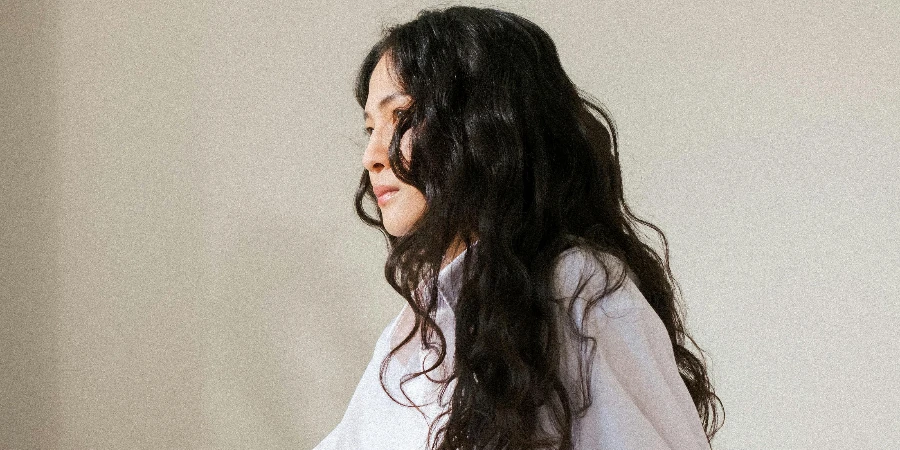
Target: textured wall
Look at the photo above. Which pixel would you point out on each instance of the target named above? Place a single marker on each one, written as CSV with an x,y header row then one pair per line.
x,y
181,267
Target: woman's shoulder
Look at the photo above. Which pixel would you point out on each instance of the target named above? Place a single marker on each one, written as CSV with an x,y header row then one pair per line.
x,y
586,272
598,293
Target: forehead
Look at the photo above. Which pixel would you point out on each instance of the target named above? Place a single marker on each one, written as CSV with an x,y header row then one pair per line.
x,y
383,88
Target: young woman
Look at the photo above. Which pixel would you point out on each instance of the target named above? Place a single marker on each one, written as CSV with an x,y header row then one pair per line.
x,y
536,317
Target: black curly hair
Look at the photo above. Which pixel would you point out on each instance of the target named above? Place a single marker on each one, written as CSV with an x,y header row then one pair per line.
x,y
508,151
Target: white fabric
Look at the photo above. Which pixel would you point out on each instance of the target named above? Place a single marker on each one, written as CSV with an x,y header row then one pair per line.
x,y
638,398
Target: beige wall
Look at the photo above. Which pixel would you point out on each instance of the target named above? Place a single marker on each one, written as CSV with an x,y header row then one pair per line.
x,y
182,268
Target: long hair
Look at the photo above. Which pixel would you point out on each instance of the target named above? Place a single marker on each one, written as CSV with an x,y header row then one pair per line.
x,y
508,152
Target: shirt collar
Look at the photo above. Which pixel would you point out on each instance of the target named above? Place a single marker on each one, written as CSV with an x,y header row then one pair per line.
x,y
450,278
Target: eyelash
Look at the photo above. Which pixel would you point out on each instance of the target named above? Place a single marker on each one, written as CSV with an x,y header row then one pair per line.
x,y
398,113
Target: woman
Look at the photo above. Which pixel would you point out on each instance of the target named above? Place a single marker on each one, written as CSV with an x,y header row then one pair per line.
x,y
535,316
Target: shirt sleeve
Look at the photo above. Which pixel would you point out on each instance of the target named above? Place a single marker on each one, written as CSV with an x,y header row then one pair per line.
x,y
638,399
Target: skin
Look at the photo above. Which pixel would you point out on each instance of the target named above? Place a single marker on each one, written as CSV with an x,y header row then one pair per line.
x,y
385,101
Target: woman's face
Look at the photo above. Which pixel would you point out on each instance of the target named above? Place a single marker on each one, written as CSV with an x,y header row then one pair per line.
x,y
401,204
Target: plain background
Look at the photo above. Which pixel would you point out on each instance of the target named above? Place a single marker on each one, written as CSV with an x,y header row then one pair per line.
x,y
181,266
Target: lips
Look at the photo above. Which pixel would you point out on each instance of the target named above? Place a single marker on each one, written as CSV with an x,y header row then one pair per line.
x,y
384,192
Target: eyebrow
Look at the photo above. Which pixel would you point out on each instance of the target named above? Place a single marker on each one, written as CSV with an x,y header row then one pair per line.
x,y
384,101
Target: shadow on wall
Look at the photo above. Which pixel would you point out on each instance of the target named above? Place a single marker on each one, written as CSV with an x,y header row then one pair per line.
x,y
29,239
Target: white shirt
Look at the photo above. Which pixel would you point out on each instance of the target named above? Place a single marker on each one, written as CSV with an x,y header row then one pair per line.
x,y
639,401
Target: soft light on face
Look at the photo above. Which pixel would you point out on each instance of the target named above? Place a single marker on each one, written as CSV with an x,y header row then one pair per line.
x,y
401,204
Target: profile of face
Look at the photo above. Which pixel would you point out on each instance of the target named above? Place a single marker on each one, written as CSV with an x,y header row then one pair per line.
x,y
401,204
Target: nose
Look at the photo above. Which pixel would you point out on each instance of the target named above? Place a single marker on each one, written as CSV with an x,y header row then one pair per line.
x,y
375,158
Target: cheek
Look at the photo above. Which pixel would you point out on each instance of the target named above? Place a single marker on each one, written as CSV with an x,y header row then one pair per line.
x,y
406,145
412,203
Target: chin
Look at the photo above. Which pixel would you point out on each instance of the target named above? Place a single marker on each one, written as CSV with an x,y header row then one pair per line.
x,y
402,212
395,229
398,226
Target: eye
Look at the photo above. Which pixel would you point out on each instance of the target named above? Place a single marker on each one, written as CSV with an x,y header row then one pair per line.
x,y
399,113
368,131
